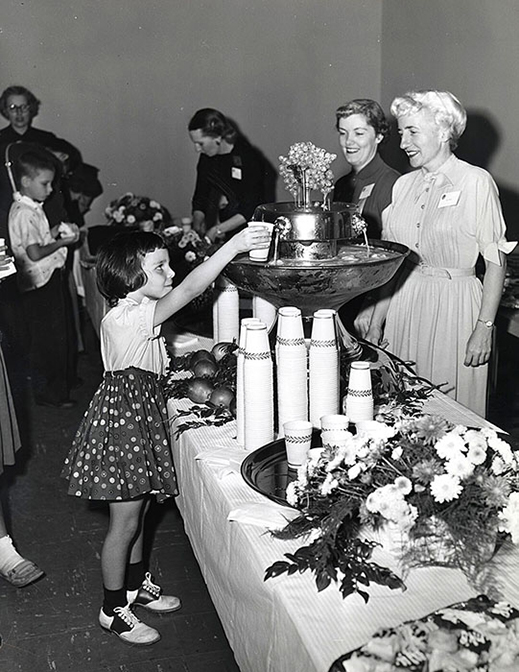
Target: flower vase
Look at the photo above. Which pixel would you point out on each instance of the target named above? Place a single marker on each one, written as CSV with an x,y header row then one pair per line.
x,y
391,537
304,193
435,545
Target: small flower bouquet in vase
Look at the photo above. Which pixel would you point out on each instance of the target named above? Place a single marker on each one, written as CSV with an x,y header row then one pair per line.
x,y
186,251
305,169
137,212
430,492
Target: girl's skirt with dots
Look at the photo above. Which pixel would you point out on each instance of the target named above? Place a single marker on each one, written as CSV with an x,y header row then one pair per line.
x,y
122,447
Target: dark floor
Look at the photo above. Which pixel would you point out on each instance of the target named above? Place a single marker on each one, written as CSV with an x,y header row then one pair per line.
x,y
52,625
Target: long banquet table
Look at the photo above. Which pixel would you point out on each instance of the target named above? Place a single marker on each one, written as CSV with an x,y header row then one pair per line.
x,y
284,624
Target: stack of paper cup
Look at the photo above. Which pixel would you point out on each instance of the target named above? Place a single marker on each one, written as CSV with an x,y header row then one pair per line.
x,y
264,311
292,367
323,366
358,404
240,393
226,311
334,429
258,387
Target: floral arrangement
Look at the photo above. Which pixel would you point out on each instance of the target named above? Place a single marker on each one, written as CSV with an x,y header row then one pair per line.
x,y
307,168
187,250
137,211
185,245
444,492
477,635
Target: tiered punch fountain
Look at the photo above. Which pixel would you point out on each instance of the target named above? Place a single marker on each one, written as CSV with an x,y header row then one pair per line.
x,y
316,260
317,257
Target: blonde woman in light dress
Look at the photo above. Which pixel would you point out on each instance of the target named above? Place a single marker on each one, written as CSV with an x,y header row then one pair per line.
x,y
436,312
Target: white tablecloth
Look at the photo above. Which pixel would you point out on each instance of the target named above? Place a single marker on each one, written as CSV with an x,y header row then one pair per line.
x,y
284,624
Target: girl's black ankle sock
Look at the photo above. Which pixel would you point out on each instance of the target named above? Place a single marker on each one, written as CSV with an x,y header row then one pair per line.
x,y
112,599
135,575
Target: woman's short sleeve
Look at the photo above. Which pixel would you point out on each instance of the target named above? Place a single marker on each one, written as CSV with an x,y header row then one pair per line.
x,y
490,223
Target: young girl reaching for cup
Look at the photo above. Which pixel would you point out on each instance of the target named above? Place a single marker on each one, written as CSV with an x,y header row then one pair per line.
x,y
121,452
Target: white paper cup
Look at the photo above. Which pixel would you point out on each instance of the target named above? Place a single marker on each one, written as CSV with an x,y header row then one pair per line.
x,y
263,253
323,328
334,422
298,439
290,325
334,437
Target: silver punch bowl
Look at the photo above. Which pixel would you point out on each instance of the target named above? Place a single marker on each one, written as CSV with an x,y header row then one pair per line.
x,y
314,260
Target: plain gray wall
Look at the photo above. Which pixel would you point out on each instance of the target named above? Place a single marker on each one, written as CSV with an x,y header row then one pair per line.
x,y
121,78
469,47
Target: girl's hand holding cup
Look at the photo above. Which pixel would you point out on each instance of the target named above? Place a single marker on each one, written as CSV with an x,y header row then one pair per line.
x,y
254,237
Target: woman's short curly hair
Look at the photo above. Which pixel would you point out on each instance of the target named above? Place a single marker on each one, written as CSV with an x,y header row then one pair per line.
x,y
32,101
119,263
368,108
214,124
448,112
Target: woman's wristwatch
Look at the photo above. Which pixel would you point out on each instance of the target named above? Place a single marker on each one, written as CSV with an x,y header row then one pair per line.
x,y
488,323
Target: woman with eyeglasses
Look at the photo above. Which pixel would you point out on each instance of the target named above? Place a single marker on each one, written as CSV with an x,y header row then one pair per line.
x,y
437,313
19,106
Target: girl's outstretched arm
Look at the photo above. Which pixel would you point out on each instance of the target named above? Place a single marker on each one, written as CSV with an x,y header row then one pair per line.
x,y
202,276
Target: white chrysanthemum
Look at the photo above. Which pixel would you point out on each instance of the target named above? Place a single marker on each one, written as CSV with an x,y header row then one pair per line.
x,y
477,454
154,204
354,471
459,429
475,438
329,484
349,453
503,448
510,517
190,256
488,433
498,466
445,488
397,453
460,466
402,513
130,219
403,485
291,493
118,216
157,216
373,500
449,444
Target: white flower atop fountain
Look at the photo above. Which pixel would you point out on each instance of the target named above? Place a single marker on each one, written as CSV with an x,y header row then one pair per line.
x,y
307,168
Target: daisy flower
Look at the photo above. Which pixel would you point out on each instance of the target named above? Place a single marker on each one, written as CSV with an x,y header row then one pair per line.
x,y
445,488
449,444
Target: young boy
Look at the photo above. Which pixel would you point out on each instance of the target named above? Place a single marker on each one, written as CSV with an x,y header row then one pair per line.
x,y
40,253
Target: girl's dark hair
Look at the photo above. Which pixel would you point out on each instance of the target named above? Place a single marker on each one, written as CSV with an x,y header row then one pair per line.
x,y
32,101
371,110
119,263
213,124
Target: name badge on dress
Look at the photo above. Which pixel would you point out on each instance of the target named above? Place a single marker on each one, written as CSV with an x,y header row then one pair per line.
x,y
449,198
366,191
236,173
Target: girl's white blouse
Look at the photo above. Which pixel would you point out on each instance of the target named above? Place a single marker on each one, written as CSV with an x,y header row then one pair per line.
x,y
128,337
